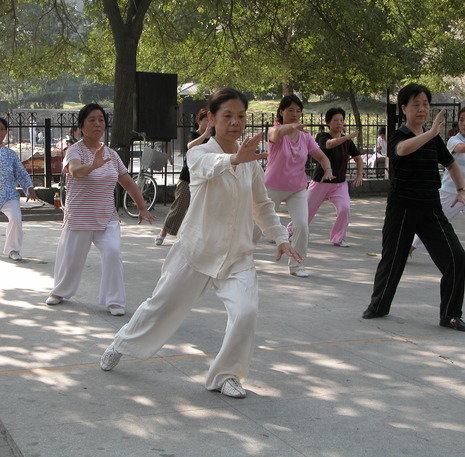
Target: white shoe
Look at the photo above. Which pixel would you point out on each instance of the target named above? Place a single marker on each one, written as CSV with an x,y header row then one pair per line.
x,y
342,244
110,358
54,300
233,388
300,272
116,310
15,255
159,240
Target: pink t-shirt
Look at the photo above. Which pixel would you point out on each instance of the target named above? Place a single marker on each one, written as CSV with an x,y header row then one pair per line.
x,y
285,169
90,201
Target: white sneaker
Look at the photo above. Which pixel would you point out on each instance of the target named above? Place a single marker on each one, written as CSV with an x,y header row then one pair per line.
x,y
233,388
342,244
54,300
300,272
110,358
15,255
159,240
116,310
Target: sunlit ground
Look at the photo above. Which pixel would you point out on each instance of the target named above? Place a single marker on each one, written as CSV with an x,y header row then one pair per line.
x,y
323,382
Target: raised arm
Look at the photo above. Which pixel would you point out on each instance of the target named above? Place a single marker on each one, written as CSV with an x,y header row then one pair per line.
x,y
278,131
80,170
406,147
200,139
333,142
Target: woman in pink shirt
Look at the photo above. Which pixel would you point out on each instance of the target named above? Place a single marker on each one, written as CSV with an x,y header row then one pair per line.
x,y
285,178
92,171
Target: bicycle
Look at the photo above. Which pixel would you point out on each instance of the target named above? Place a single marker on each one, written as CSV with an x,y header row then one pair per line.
x,y
153,158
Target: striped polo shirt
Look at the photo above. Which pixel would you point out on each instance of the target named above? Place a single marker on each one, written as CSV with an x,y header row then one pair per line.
x,y
90,200
415,178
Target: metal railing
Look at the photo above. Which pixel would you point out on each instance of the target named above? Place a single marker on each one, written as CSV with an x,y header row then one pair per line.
x,y
39,138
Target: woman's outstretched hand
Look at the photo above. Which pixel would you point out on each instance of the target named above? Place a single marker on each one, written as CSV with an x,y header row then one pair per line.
x,y
247,151
145,215
286,248
438,122
99,159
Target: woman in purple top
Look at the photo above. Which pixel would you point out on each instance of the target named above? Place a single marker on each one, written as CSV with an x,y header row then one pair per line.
x,y
285,178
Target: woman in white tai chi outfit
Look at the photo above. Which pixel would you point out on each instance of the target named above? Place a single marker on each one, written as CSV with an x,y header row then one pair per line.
x,y
92,171
214,249
448,190
12,171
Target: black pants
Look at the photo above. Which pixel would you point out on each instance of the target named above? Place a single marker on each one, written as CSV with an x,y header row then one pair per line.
x,y
442,244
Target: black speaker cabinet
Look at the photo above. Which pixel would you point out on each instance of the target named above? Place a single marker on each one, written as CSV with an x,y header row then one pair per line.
x,y
156,105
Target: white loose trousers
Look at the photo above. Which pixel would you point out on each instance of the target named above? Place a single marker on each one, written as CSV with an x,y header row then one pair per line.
x,y
447,198
14,230
178,290
72,251
298,212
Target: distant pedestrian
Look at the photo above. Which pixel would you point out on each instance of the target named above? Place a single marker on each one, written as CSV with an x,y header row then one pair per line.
x,y
12,171
380,150
73,135
289,146
414,206
214,249
448,191
339,149
453,130
182,194
92,171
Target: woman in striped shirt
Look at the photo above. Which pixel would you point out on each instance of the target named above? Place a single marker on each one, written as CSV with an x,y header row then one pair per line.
x,y
92,171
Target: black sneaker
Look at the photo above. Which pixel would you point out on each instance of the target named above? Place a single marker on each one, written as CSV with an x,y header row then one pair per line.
x,y
369,314
453,322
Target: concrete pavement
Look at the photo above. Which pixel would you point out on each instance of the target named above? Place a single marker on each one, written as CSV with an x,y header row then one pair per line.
x,y
323,381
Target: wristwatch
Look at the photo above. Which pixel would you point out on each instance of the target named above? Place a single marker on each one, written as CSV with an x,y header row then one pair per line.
x,y
462,188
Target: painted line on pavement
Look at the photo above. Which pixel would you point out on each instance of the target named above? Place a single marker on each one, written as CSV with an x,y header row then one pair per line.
x,y
202,356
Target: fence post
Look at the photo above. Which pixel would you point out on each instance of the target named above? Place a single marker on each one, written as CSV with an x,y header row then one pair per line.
x,y
48,152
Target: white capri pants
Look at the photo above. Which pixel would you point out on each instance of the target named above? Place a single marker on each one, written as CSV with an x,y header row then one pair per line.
x,y
72,251
297,207
178,290
14,230
447,199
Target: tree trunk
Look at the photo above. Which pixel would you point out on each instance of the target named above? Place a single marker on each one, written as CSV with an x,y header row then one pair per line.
x,y
126,34
287,87
358,119
125,84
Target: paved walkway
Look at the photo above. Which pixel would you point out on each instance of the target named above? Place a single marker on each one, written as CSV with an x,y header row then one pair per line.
x,y
323,381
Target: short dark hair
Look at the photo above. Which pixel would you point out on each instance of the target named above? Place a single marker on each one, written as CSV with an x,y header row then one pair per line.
x,y
202,114
4,122
287,101
409,91
223,95
86,110
382,131
332,112
461,111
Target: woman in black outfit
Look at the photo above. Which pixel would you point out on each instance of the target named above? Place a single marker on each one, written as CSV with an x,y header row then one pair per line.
x,y
414,206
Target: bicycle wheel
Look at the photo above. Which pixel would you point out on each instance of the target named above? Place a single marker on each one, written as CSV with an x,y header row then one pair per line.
x,y
148,188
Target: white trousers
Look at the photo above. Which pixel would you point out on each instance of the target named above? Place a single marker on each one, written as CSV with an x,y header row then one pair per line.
x,y
72,251
14,230
177,291
298,212
447,199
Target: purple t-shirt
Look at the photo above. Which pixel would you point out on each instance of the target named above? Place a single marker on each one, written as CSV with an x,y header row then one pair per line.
x,y
285,169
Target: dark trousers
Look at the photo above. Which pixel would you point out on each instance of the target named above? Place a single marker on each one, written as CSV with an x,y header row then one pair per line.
x,y
442,244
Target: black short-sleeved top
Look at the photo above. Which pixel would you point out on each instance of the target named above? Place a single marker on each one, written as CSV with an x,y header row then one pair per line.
x,y
415,179
338,156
